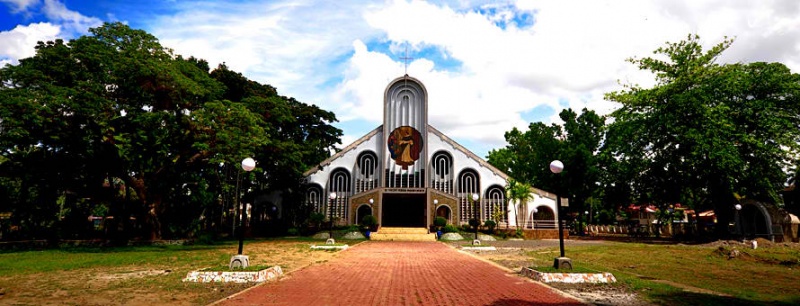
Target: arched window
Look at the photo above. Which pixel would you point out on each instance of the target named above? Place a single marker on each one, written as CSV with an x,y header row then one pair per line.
x,y
442,168
339,182
495,204
468,183
315,198
366,171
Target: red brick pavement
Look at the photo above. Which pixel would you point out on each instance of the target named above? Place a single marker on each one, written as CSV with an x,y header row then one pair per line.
x,y
402,273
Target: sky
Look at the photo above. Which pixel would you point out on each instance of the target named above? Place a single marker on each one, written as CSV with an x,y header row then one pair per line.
x,y
488,66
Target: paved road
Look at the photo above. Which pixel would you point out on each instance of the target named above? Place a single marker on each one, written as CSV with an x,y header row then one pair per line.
x,y
402,273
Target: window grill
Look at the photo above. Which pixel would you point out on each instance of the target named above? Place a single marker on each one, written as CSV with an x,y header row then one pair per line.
x,y
468,184
366,171
442,168
339,182
495,202
315,197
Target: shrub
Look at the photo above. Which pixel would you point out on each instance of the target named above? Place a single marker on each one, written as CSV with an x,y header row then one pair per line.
x,y
316,218
490,225
503,234
519,233
474,222
292,231
440,221
206,238
369,221
450,228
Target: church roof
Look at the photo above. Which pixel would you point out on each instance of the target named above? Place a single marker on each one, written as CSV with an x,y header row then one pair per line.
x,y
346,149
436,132
469,153
484,163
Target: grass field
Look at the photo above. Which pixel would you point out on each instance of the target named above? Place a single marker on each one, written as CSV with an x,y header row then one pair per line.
x,y
671,274
136,275
676,274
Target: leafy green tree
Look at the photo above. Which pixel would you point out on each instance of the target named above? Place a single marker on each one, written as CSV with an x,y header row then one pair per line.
x,y
115,120
705,131
528,155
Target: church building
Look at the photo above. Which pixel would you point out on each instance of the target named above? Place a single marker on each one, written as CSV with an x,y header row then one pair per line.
x,y
406,172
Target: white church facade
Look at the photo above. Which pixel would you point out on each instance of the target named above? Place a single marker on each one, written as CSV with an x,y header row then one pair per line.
x,y
405,173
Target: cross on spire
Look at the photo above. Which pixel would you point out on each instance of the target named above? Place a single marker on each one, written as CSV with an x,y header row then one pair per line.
x,y
406,59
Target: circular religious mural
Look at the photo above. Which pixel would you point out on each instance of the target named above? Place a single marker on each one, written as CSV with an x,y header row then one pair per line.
x,y
405,144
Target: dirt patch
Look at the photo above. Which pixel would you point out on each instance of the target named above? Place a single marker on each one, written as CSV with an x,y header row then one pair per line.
x,y
602,294
129,275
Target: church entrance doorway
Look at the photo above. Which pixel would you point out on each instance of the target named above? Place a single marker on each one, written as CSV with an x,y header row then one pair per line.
x,y
403,210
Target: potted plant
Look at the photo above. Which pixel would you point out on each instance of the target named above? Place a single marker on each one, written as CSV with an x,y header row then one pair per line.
x,y
439,222
368,222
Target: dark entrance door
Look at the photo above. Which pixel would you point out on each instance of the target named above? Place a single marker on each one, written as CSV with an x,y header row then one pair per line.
x,y
403,210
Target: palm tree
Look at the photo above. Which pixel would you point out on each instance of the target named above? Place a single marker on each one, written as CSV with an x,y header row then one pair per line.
x,y
518,191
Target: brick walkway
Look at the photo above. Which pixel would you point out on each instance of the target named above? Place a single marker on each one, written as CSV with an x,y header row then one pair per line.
x,y
401,273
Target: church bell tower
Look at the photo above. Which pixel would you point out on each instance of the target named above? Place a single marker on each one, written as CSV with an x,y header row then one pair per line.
x,y
405,127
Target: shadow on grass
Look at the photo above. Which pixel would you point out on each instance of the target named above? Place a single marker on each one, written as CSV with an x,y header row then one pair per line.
x,y
692,298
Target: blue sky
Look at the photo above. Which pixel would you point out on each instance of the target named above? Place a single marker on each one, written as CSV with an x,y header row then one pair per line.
x,y
488,66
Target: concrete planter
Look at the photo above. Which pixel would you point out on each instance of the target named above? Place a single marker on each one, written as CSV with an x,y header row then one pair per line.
x,y
329,247
234,276
570,278
478,248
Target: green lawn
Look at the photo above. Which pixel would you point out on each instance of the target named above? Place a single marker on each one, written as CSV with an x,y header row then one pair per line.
x,y
767,275
137,275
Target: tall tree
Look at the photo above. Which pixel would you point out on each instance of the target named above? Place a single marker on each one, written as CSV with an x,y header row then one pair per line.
x,y
528,155
116,110
706,132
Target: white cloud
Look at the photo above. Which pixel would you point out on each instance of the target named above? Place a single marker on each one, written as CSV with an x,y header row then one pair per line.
x,y
289,45
19,6
19,42
73,22
573,53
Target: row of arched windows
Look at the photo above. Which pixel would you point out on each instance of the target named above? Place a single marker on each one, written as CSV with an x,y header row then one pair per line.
x,y
492,205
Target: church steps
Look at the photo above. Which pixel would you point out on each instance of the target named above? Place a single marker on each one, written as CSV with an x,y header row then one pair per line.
x,y
402,234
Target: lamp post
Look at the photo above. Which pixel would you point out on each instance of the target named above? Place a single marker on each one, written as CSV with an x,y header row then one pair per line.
x,y
435,203
239,260
477,219
556,167
738,207
248,164
331,196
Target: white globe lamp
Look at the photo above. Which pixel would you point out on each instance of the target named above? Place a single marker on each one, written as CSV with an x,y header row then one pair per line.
x,y
248,164
556,166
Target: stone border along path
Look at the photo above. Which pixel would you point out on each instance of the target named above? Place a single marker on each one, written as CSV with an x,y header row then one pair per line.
x,y
402,273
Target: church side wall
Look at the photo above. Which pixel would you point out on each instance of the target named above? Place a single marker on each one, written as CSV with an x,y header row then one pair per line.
x,y
347,160
463,161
